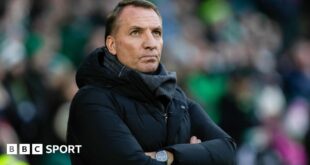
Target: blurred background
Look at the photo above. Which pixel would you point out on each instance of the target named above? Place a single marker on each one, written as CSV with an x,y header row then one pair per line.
x,y
246,61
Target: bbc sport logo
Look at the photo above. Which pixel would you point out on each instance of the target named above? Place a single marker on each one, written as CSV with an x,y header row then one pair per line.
x,y
39,149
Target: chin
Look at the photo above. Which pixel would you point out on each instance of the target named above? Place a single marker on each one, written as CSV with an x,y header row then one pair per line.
x,y
149,69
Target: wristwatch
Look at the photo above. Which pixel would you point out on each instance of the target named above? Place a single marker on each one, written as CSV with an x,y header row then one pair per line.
x,y
161,156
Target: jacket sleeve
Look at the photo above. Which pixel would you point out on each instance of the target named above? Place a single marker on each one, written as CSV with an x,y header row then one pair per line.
x,y
106,140
216,148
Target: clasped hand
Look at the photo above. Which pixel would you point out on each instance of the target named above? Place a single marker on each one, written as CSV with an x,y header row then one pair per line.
x,y
193,140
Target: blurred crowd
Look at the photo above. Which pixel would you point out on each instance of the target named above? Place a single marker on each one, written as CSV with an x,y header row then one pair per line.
x,y
247,62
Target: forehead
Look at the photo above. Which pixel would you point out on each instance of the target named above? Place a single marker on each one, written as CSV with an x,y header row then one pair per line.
x,y
138,16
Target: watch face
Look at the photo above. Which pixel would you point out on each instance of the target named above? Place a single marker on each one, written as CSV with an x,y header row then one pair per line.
x,y
161,156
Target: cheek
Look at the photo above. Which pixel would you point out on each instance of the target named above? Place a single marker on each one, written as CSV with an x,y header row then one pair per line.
x,y
128,45
127,52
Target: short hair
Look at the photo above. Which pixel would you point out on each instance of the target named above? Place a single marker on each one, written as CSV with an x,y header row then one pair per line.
x,y
113,16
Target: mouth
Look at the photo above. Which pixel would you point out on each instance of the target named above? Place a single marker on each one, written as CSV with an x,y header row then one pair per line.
x,y
148,56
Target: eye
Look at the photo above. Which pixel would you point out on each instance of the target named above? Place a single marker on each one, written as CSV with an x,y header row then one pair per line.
x,y
157,33
135,33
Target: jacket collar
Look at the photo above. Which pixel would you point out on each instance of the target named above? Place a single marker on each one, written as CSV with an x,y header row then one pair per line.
x,y
103,69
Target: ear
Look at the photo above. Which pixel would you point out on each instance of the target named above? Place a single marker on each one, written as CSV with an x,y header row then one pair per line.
x,y
110,44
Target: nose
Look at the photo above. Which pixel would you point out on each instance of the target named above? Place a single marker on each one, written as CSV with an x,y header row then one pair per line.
x,y
149,41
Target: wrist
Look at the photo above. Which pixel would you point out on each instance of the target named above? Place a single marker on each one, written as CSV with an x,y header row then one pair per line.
x,y
170,158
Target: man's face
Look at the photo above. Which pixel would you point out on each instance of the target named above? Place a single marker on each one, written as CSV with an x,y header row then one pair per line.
x,y
137,41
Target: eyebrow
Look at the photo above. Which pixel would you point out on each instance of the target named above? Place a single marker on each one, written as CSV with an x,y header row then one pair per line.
x,y
140,28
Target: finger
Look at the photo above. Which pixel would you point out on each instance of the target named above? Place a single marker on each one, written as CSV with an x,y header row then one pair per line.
x,y
150,154
193,140
198,141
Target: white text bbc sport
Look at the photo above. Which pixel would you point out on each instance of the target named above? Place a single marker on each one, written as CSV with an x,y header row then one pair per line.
x,y
38,149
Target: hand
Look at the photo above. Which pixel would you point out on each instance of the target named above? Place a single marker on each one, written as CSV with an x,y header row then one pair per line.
x,y
151,154
194,140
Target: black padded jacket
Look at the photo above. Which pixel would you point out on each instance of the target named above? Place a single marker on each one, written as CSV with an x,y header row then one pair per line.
x,y
118,114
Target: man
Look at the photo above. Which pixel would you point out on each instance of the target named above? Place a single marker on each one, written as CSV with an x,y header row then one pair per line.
x,y
129,110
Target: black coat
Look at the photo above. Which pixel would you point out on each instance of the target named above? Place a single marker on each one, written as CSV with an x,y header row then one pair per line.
x,y
118,114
